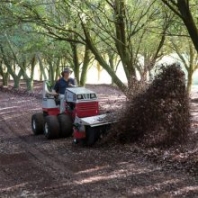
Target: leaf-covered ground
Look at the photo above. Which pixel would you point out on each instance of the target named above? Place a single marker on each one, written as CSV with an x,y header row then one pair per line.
x,y
31,166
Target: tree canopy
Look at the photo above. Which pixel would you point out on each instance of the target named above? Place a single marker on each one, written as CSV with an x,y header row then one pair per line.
x,y
55,33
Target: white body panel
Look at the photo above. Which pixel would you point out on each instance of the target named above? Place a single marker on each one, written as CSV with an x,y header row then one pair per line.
x,y
74,95
92,121
79,90
78,94
48,100
49,103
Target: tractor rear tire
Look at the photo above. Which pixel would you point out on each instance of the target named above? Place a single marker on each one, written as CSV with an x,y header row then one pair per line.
x,y
92,135
51,127
37,123
66,125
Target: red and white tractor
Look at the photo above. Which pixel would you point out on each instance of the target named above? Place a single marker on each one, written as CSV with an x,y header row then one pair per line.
x,y
79,115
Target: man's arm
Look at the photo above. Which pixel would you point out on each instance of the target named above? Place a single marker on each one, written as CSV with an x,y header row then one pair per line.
x,y
55,89
72,83
54,93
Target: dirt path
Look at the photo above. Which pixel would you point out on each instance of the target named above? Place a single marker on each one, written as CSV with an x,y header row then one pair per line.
x,y
31,166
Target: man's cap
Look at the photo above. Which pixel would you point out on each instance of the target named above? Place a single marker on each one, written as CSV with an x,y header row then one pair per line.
x,y
66,70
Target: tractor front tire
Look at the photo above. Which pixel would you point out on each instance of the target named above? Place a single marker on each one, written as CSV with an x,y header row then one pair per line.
x,y
37,123
51,127
66,125
92,135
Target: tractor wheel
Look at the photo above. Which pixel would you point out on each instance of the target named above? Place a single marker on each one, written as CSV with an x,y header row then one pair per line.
x,y
51,127
37,123
92,135
66,125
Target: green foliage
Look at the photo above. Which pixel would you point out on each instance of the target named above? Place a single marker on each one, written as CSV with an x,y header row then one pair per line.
x,y
62,32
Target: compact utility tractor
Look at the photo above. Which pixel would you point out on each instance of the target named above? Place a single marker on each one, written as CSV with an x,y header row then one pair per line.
x,y
81,116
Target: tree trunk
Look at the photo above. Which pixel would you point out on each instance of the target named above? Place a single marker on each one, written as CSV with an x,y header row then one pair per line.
x,y
29,80
29,84
121,42
58,72
42,70
101,60
4,74
51,72
17,79
11,69
181,8
112,63
86,61
99,70
189,84
16,82
188,20
76,62
5,79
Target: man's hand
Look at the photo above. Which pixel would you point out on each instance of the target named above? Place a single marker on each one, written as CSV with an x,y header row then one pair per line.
x,y
52,93
71,85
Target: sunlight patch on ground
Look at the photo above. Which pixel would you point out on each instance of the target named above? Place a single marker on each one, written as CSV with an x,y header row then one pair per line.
x,y
26,101
151,188
13,116
123,172
92,170
35,109
186,189
1,109
13,187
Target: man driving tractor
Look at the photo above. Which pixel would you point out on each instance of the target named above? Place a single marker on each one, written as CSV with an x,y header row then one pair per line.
x,y
75,112
59,88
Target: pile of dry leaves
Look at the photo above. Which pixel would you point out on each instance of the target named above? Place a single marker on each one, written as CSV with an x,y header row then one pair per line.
x,y
157,114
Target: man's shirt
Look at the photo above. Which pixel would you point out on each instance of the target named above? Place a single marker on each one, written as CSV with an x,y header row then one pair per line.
x,y
62,84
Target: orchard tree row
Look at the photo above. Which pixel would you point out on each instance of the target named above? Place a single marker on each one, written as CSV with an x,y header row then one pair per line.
x,y
133,33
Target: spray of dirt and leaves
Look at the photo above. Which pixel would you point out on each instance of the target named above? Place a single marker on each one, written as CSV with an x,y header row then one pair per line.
x,y
156,114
